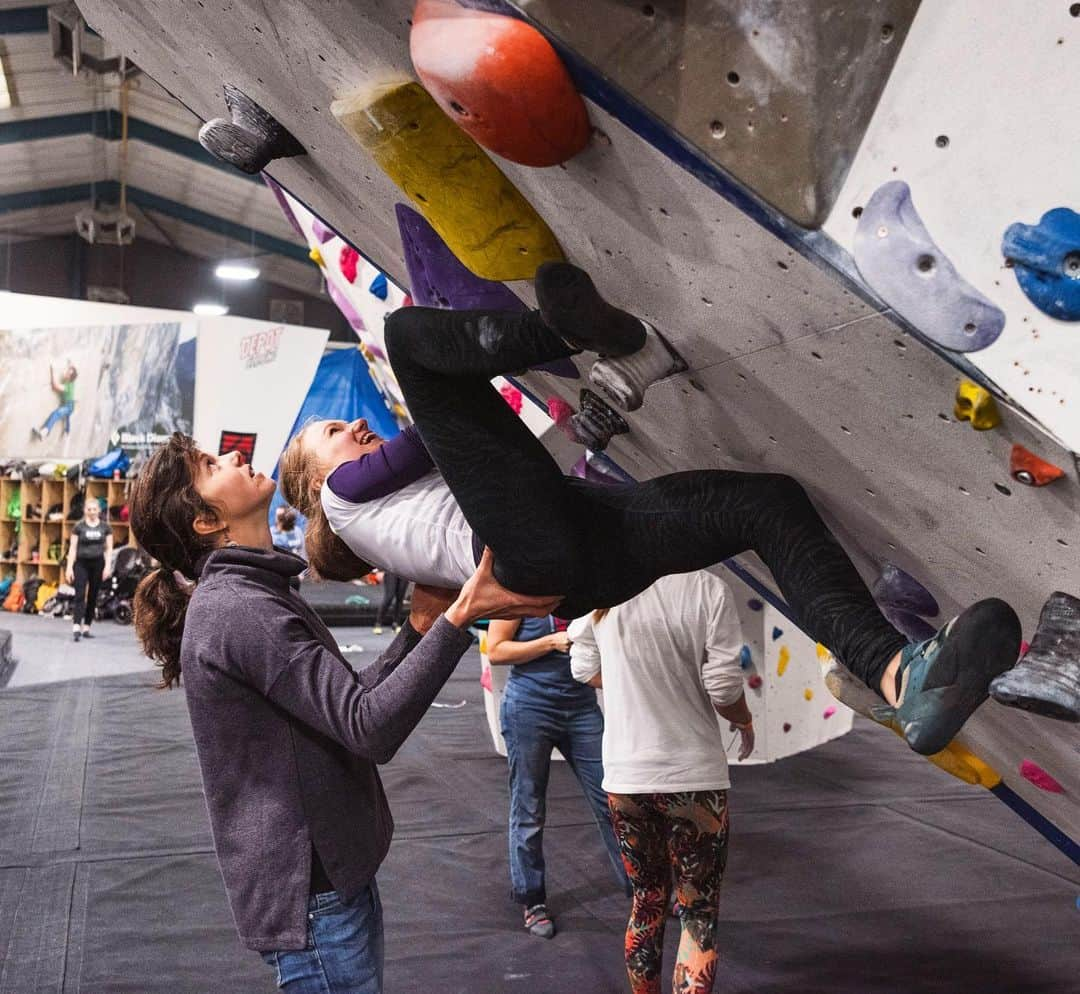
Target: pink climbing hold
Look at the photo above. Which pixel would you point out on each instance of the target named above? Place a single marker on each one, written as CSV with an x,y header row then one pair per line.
x,y
1038,776
828,712
408,301
348,261
512,396
559,410
755,681
485,680
1024,646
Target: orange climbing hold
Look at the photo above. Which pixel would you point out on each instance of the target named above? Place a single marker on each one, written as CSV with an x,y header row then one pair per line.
x,y
1028,468
500,80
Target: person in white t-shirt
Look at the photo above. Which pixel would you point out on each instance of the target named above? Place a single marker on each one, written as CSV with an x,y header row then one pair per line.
x,y
668,661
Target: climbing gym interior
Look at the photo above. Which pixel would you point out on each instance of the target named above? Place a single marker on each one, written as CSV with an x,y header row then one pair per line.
x,y
851,232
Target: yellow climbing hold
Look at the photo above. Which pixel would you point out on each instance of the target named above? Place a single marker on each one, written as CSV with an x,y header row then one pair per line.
x,y
976,405
808,694
483,644
785,658
477,211
402,413
316,256
965,765
823,653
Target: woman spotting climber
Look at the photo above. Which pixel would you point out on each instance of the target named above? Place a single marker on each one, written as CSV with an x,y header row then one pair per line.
x,y
469,474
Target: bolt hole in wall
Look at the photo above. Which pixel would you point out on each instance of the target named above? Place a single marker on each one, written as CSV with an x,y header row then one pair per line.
x,y
1002,490
717,129
648,10
925,264
887,32
1075,10
942,141
733,78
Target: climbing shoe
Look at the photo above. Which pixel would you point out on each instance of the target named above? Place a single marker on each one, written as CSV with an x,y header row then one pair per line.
x,y
944,679
539,922
572,307
1047,680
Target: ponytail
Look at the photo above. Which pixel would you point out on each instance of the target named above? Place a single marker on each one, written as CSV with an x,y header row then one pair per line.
x,y
160,608
329,558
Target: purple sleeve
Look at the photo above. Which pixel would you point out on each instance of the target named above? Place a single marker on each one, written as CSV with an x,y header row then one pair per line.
x,y
394,464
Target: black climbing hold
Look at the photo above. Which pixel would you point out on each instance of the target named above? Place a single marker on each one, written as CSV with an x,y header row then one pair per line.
x,y
595,423
252,139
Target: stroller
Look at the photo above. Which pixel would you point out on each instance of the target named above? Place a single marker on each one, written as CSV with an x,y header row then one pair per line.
x,y
130,565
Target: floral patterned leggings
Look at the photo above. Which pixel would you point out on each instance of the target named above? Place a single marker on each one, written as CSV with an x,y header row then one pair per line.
x,y
671,840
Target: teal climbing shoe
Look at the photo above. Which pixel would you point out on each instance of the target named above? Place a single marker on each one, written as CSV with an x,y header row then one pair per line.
x,y
947,677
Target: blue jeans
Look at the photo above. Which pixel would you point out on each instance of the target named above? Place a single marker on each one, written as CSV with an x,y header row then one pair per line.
x,y
63,412
532,728
344,953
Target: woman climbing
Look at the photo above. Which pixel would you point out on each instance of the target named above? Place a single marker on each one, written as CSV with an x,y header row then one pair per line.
x,y
64,388
424,503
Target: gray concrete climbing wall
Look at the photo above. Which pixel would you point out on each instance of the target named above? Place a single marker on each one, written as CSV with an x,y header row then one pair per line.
x,y
792,368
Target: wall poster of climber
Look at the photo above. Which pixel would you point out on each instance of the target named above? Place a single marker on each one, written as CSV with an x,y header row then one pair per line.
x,y
73,393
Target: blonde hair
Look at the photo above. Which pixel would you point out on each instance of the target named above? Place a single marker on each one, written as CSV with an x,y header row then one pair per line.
x,y
300,478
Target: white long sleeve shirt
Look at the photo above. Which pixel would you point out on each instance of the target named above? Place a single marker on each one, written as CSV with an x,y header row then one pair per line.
x,y
667,656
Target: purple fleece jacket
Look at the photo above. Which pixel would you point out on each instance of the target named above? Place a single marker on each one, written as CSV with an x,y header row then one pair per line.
x,y
288,735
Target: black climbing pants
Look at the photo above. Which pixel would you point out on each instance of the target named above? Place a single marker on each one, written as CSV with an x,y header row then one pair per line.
x,y
88,580
600,545
392,607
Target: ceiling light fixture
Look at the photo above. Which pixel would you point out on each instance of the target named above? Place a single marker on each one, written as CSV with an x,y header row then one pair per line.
x,y
237,271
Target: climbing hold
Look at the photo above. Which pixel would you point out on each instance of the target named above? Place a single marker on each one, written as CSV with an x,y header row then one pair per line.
x,y
251,140
1029,469
746,660
1024,646
963,764
1046,680
595,423
485,680
828,712
348,261
407,300
754,604
500,80
808,694
976,404
595,469
1037,775
559,410
379,287
899,260
438,279
899,589
483,644
911,625
316,256
785,658
1046,260
283,203
754,682
346,306
512,396
776,633
322,233
476,210
823,654
787,726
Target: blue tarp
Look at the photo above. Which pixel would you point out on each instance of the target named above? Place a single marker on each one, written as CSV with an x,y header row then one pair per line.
x,y
342,388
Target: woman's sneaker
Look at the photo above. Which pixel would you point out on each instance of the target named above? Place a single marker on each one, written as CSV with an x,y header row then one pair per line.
x,y
947,677
538,922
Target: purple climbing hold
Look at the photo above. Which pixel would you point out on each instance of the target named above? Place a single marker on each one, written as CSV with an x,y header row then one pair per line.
x,y
322,233
898,589
346,306
379,287
776,633
754,604
596,469
911,625
746,660
283,203
438,279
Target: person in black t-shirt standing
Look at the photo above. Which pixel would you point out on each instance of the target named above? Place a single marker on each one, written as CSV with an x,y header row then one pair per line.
x,y
88,565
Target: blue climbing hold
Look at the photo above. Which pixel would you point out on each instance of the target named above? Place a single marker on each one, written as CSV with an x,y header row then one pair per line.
x,y
378,287
754,604
776,633
1046,260
745,659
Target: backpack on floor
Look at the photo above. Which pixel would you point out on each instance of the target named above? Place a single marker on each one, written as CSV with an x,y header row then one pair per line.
x,y
29,593
44,593
15,598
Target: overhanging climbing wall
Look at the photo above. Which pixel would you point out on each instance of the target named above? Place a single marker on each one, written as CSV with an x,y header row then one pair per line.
x,y
797,364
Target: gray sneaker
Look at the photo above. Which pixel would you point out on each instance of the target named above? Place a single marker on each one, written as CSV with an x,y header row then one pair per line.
x,y
947,677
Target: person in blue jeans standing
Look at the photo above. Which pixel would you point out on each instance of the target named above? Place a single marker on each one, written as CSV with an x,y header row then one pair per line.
x,y
544,708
